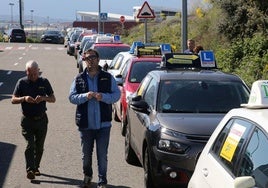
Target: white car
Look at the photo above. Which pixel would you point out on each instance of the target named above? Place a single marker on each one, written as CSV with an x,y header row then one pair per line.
x,y
118,62
236,155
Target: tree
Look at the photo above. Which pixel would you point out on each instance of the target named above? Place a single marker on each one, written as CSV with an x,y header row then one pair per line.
x,y
242,18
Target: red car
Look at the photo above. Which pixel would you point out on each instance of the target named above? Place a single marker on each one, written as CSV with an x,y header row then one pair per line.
x,y
136,68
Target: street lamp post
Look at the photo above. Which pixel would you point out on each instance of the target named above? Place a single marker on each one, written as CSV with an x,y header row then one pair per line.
x,y
11,8
99,26
32,22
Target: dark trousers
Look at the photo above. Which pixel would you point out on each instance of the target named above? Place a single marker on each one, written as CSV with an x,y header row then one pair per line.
x,y
34,131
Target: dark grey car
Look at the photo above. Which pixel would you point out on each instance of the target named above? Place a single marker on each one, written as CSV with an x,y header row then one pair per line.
x,y
172,115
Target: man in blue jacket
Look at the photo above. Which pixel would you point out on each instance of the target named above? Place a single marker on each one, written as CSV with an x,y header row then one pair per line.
x,y
94,91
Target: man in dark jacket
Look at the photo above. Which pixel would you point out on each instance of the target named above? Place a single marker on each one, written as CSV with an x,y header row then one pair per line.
x,y
94,91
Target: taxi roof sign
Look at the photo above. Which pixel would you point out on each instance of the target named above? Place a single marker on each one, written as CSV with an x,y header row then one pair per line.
x,y
258,95
183,60
145,11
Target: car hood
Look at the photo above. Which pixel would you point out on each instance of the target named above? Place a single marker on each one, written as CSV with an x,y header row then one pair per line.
x,y
114,72
198,124
105,62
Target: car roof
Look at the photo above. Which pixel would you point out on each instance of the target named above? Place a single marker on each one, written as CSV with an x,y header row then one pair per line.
x,y
190,74
110,44
260,116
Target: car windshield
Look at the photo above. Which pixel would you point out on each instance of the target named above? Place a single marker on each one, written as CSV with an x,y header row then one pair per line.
x,y
19,31
109,52
197,96
140,69
52,32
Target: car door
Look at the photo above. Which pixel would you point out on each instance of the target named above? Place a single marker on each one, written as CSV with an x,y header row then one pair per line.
x,y
136,120
221,162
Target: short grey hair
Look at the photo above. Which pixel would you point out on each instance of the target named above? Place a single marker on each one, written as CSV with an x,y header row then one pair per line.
x,y
31,64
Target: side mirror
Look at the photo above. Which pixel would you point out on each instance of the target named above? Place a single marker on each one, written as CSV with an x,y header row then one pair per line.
x,y
139,105
119,80
244,182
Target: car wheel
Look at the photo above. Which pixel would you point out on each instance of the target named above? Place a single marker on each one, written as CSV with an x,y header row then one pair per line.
x,y
130,155
116,118
123,126
148,181
80,67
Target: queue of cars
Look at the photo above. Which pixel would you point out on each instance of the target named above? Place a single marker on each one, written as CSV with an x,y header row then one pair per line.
x,y
145,58
171,104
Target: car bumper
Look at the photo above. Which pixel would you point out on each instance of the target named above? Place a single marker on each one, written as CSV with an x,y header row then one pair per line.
x,y
174,169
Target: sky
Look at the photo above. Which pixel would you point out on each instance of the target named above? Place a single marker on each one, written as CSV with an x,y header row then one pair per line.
x,y
66,9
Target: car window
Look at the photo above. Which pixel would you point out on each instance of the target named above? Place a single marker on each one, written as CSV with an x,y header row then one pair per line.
x,y
109,52
116,61
230,146
150,93
125,69
142,87
255,161
195,96
229,143
140,69
20,31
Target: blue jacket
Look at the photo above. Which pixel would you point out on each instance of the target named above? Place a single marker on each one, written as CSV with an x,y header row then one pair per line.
x,y
93,114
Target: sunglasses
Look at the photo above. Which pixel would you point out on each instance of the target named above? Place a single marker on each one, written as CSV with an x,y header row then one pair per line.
x,y
89,58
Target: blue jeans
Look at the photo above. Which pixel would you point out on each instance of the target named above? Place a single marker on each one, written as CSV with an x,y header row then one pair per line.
x,y
102,137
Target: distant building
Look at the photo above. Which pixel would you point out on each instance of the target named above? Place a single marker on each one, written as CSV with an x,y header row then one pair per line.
x,y
110,23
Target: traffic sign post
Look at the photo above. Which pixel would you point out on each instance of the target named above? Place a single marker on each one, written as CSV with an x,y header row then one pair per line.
x,y
122,21
103,18
145,13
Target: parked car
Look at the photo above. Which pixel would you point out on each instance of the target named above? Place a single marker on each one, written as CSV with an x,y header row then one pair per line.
x,y
144,59
14,35
173,113
108,47
236,153
52,36
119,62
71,43
80,38
86,43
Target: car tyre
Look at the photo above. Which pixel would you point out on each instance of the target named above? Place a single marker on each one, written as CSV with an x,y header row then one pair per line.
x,y
148,180
80,67
130,155
116,118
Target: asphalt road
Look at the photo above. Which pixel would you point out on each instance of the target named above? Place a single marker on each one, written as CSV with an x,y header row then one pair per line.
x,y
61,165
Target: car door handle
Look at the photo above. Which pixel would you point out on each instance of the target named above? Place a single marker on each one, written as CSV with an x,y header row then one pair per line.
x,y
205,172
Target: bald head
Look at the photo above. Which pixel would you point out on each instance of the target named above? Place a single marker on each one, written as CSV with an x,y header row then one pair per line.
x,y
32,70
31,64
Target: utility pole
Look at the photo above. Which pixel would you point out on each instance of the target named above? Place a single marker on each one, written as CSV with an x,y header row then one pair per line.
x,y
21,2
99,26
11,8
184,26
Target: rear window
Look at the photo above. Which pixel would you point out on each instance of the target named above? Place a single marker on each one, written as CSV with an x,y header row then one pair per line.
x,y
109,52
19,31
195,96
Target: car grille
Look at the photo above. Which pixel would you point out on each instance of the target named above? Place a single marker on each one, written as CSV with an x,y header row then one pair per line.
x,y
198,138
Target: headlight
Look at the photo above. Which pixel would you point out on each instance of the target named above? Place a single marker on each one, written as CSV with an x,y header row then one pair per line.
x,y
171,146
